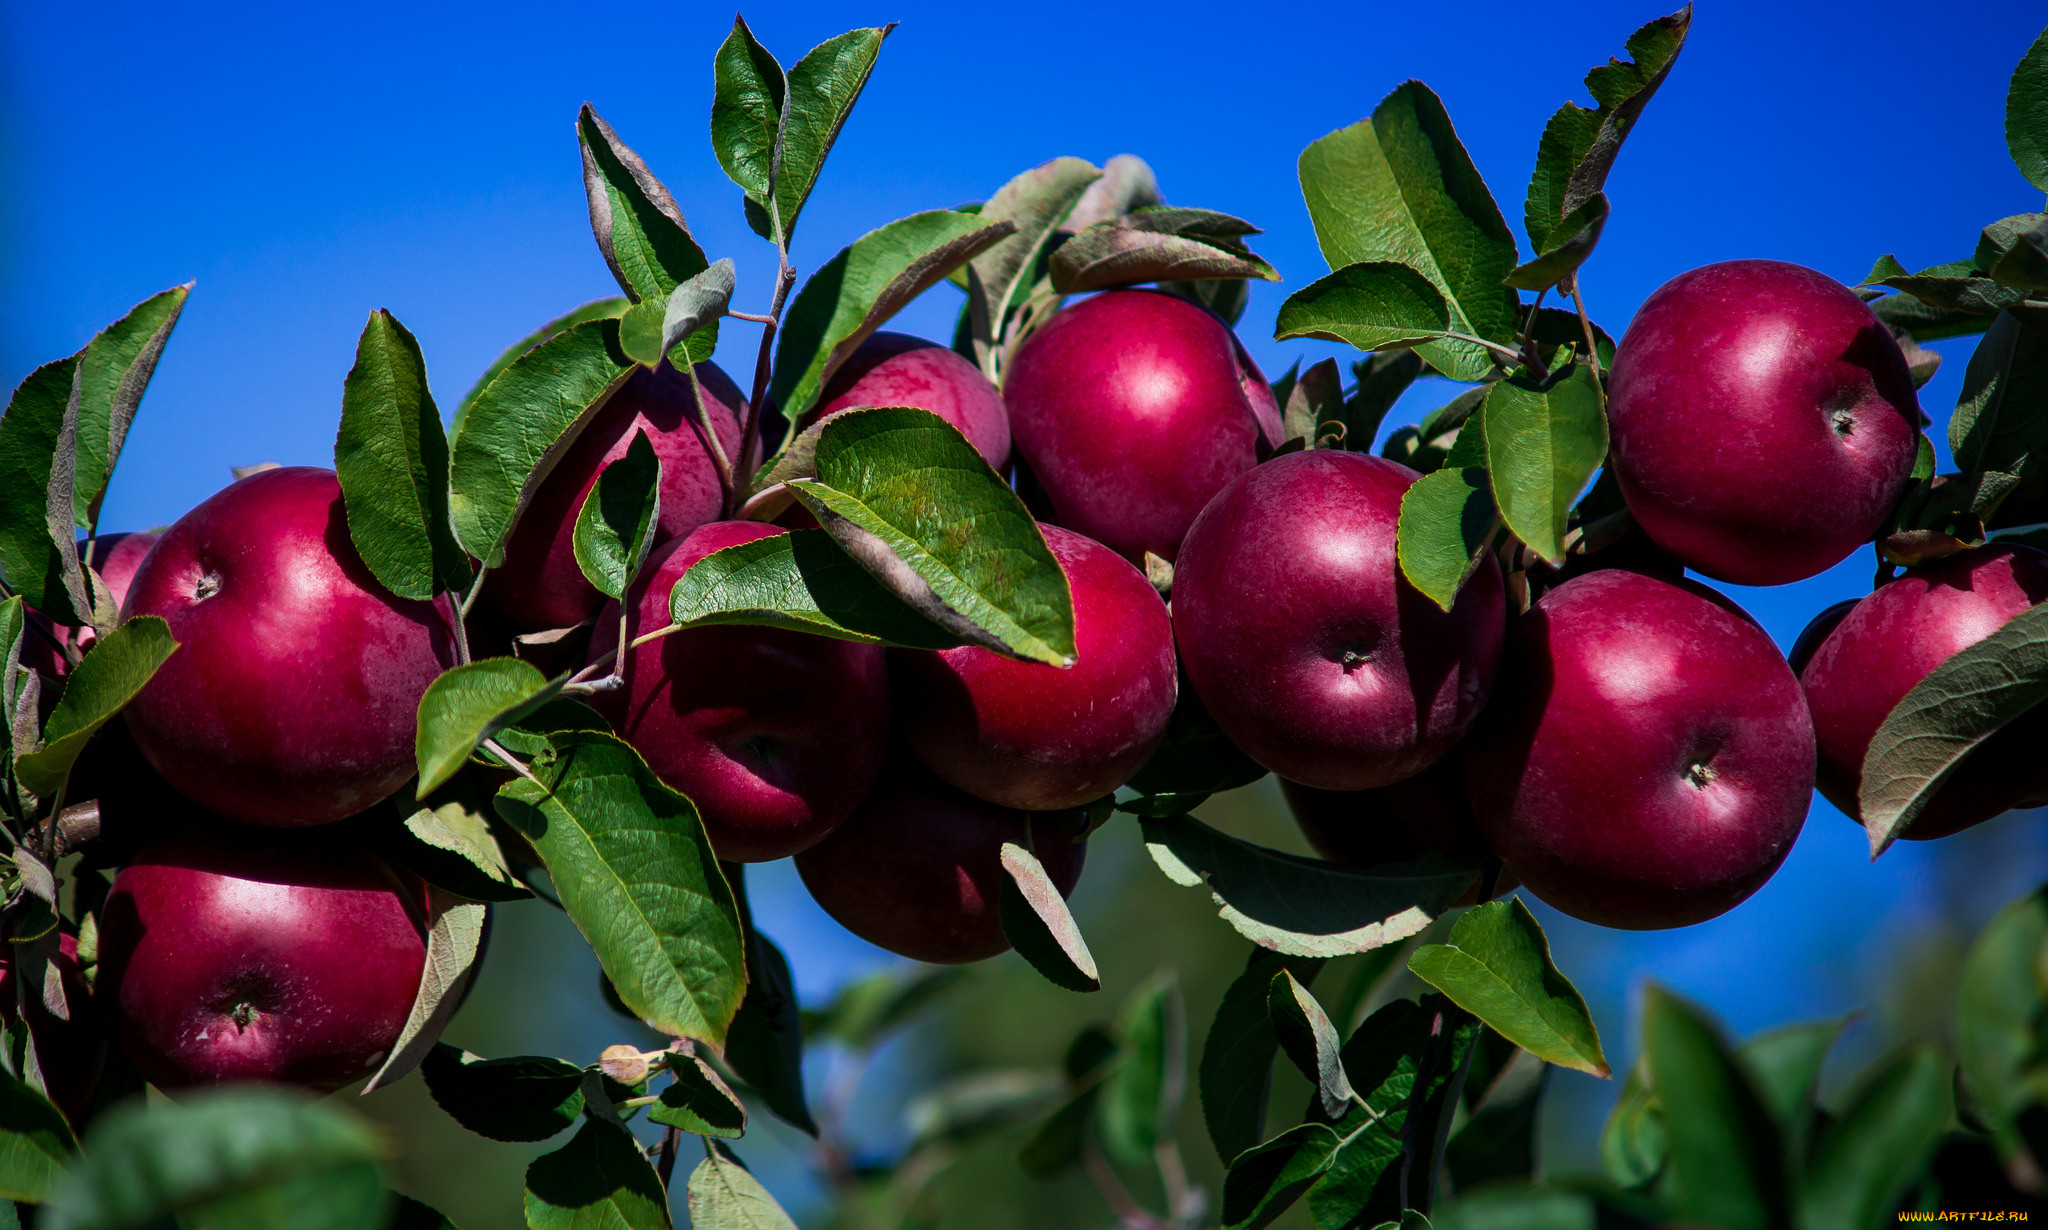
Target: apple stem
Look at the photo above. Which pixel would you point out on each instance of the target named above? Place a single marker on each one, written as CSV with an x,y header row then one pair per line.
x,y
655,635
511,762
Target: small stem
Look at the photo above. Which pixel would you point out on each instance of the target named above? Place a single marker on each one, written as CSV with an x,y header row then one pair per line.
x,y
655,635
785,277
1529,326
1510,355
583,676
461,635
1129,1213
670,1139
759,320
512,762
1173,1176
476,588
719,461
1586,327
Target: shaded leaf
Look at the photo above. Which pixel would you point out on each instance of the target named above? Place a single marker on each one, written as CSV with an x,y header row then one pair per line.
x,y
2026,114
1785,1064
638,877
114,370
2001,418
1374,305
523,1098
857,291
469,703
1141,1096
36,1145
1945,716
1725,1152
1236,1073
1924,322
101,685
447,841
980,1102
867,1010
1447,521
1155,244
1400,187
905,494
1378,380
1543,446
246,1158
610,308
725,1195
1498,1140
765,1046
1195,759
804,581
1302,906
29,432
1127,185
697,1101
392,460
1879,1142
1308,1038
637,223
1497,967
1633,1143
615,527
1038,924
2001,997
455,933
1036,201
1265,1181
598,1181
1569,245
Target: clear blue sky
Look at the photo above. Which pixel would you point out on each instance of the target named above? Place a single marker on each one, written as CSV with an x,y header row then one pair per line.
x,y
307,167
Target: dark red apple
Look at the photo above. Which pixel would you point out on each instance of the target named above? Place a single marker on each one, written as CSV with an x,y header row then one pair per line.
x,y
1427,812
539,586
231,954
774,735
1647,758
895,369
1863,666
71,1049
1309,648
1041,738
1133,408
293,694
1764,422
918,868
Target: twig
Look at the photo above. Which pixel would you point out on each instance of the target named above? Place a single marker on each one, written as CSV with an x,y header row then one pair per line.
x,y
759,320
512,762
1129,1213
1173,1176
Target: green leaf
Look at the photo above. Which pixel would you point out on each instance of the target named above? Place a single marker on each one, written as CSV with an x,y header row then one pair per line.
x,y
1924,322
867,1010
1634,1143
1447,522
1157,244
1515,1206
1308,1038
616,524
725,1195
597,309
1400,187
1038,924
638,225
2001,418
455,934
823,86
410,1214
972,1106
638,877
697,1101
447,841
1725,1152
1959,705
1236,1073
905,494
803,581
118,667
1568,247
1373,305
1497,967
1127,186
1141,1097
469,703
1266,1180
1878,1144
598,1181
249,1158
1542,448
2026,114
2024,262
765,1046
29,432
1302,906
1498,1139
1579,146
1785,1064
115,369
694,308
858,290
746,114
36,1144
523,1098
1036,201
2001,998
392,460
529,413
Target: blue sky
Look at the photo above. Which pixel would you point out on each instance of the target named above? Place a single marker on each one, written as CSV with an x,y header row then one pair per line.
x,y
306,167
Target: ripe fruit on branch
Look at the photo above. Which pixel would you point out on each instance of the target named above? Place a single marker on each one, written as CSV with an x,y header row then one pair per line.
x,y
231,954
1764,422
918,868
1309,648
1133,408
1041,738
774,735
896,369
539,586
1860,669
1397,823
293,696
1647,758
71,1051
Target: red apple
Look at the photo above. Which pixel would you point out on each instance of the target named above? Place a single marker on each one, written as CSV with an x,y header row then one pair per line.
x,y
1647,758
1041,738
774,735
71,1049
1309,648
236,954
918,868
1133,408
1397,823
539,586
1866,663
895,369
1763,421
293,694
